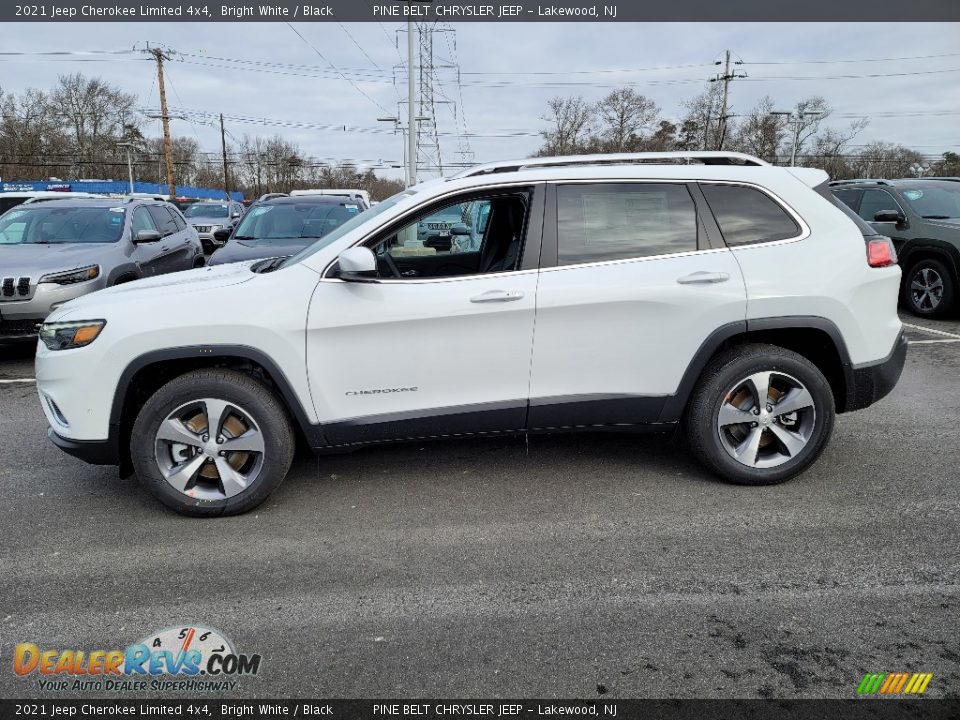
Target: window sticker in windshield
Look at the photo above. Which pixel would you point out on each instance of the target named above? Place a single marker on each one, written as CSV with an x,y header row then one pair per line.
x,y
351,208
912,195
259,211
116,209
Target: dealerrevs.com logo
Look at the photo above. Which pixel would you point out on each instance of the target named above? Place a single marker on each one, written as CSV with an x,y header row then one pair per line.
x,y
190,658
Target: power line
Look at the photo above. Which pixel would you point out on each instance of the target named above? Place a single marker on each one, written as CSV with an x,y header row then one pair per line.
x,y
857,60
321,55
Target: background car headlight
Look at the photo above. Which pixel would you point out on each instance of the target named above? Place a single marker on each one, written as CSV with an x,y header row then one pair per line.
x,y
70,277
67,335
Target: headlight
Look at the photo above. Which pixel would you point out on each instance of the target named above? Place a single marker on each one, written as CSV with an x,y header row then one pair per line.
x,y
67,335
70,277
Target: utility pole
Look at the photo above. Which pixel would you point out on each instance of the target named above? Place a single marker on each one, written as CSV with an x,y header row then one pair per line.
x,y
796,121
223,147
160,56
725,79
412,108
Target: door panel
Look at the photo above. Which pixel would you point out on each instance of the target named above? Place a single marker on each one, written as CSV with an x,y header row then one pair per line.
x,y
443,352
613,340
616,331
402,359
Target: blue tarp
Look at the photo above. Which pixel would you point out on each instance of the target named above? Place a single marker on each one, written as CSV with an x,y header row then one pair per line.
x,y
113,187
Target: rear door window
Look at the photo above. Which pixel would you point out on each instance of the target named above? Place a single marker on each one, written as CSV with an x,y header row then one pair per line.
x,y
746,215
603,222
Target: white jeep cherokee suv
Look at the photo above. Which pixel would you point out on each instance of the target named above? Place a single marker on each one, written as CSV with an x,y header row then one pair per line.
x,y
623,292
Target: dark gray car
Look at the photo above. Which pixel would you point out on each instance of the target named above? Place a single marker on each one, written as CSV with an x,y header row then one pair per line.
x,y
55,251
284,226
922,217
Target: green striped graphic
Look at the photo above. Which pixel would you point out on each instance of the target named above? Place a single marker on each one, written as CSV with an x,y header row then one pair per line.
x,y
871,683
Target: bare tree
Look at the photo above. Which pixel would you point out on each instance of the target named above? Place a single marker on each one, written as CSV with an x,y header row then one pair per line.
x,y
760,133
571,122
702,118
623,114
885,160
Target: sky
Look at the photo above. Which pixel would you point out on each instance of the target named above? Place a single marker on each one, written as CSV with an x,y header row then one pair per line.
x,y
508,72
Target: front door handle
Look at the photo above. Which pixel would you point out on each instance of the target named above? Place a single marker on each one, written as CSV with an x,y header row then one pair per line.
x,y
704,278
497,296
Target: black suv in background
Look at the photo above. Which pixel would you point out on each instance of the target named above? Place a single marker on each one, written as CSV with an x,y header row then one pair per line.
x,y
922,216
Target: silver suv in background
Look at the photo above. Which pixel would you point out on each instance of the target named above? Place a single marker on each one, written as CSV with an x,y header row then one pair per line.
x,y
208,217
57,250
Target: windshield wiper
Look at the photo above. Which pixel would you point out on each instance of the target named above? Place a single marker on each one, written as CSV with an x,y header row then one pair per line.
x,y
244,237
935,217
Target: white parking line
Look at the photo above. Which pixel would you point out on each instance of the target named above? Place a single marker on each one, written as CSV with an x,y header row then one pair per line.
x,y
19,380
931,342
932,331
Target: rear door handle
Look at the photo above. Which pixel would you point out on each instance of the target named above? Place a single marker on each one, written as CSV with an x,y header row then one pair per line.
x,y
497,296
704,278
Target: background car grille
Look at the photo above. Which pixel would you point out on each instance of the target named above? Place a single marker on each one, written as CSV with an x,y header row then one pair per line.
x,y
14,328
15,286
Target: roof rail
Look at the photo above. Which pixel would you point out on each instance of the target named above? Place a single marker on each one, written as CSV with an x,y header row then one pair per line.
x,y
706,157
859,181
950,179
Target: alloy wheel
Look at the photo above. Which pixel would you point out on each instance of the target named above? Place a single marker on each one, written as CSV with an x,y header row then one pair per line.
x,y
766,419
926,289
209,449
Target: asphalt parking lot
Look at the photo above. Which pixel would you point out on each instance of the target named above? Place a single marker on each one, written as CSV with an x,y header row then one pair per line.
x,y
575,566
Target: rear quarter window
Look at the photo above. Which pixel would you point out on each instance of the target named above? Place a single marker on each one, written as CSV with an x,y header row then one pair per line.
x,y
746,215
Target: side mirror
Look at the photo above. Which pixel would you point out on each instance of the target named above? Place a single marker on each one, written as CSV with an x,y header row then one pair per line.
x,y
222,235
889,216
459,229
358,264
146,236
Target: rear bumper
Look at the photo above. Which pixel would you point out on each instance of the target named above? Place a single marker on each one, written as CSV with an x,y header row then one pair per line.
x,y
95,452
870,383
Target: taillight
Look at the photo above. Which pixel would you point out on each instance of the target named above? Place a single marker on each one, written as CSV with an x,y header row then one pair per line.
x,y
880,252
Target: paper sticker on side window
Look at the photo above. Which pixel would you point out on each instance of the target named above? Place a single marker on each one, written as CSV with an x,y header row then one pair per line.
x,y
913,194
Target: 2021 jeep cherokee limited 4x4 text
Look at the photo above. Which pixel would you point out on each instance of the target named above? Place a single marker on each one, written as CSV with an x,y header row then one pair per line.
x,y
614,291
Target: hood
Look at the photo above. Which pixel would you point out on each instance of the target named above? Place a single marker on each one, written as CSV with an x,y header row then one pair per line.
x,y
33,260
239,250
203,220
153,291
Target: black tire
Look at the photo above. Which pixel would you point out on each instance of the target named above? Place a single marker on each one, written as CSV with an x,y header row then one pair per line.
x,y
199,261
710,394
946,303
256,399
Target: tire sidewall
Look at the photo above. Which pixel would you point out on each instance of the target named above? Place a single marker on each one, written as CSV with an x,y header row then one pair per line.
x,y
737,368
268,416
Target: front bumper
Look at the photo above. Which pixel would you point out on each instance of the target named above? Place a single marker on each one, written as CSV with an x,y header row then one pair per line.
x,y
95,452
870,383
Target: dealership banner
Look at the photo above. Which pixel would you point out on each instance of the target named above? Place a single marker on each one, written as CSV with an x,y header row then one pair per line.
x,y
454,11
493,709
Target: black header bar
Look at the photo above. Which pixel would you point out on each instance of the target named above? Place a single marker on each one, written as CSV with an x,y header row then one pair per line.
x,y
863,11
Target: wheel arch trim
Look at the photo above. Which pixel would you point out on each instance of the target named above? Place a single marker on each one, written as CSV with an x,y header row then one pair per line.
x,y
676,404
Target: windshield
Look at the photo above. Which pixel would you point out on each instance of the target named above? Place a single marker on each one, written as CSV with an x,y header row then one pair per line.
x,y
935,202
355,222
206,210
294,221
46,225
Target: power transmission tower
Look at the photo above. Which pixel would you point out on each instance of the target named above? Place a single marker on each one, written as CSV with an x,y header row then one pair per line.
x,y
160,55
725,79
429,141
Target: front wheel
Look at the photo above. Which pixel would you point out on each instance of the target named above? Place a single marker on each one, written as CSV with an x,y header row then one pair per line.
x,y
760,415
212,442
928,289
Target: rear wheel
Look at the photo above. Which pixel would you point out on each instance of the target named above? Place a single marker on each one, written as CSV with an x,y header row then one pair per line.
x,y
760,415
928,288
212,442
